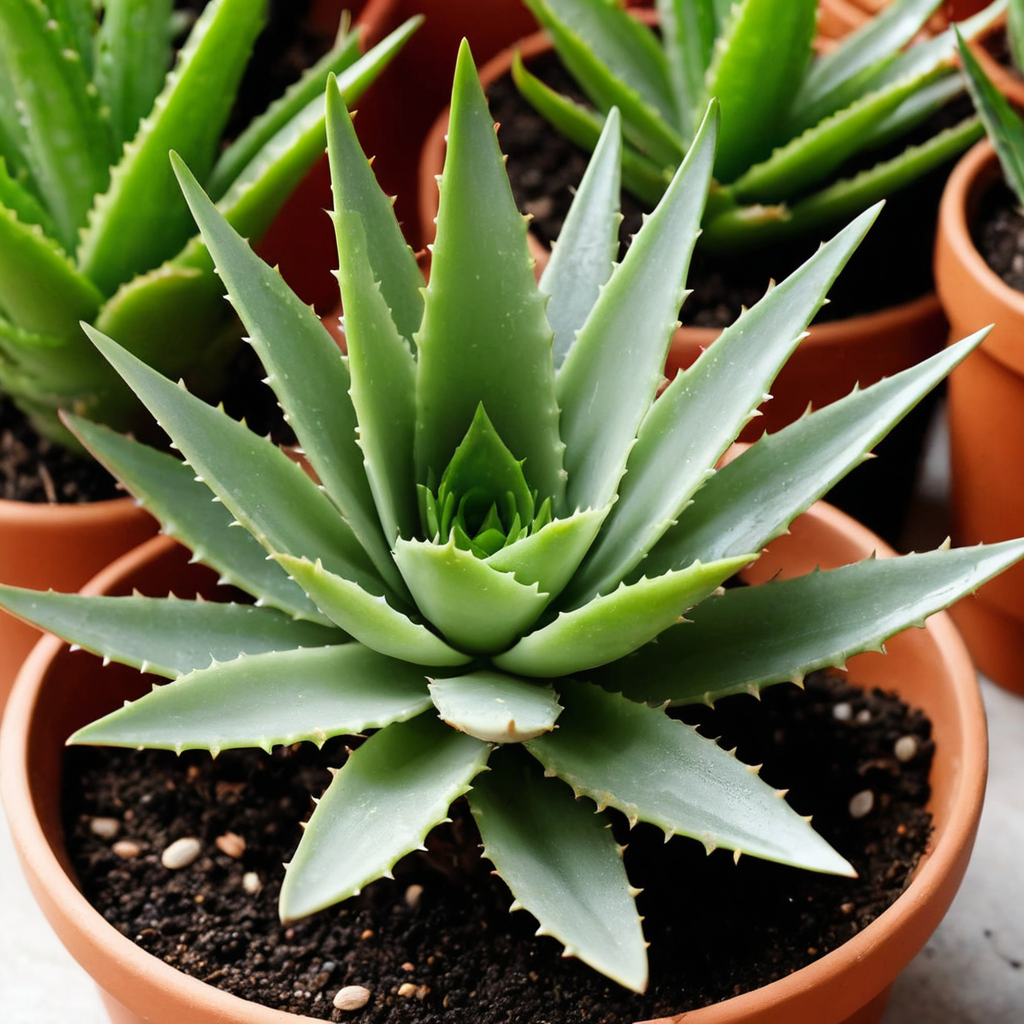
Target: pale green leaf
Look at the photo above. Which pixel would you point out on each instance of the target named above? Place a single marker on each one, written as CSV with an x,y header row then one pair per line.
x,y
652,768
268,699
792,627
611,626
610,376
472,296
369,618
495,707
392,790
562,864
479,609
164,635
688,32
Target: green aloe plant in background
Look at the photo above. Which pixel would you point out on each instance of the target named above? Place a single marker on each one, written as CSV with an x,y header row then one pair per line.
x,y
791,120
504,520
92,223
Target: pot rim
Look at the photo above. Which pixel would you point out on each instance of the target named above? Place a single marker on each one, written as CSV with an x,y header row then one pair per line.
x,y
830,333
945,859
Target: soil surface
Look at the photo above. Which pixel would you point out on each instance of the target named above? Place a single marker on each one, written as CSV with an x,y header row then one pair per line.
x,y
437,944
892,265
998,233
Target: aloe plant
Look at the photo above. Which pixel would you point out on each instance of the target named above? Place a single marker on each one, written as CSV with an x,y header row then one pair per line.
x,y
504,520
92,224
791,120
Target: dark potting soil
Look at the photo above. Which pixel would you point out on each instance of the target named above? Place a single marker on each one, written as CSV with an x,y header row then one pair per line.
x,y
998,233
437,943
891,266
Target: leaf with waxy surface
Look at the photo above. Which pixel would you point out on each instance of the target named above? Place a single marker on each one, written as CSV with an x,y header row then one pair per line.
x,y
610,626
496,707
652,768
609,378
167,636
414,770
329,691
792,627
369,617
474,296
703,410
562,864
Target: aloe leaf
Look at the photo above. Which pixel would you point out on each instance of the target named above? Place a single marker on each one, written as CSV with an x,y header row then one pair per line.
x,y
652,768
611,626
269,494
16,197
756,70
142,218
188,511
583,257
913,111
840,613
369,618
814,155
356,191
610,375
688,32
549,556
834,80
77,20
40,289
133,48
392,790
314,388
13,136
495,707
167,636
758,225
471,296
262,700
1003,125
562,864
752,500
617,62
377,352
237,156
703,410
640,175
69,148
479,609
1015,31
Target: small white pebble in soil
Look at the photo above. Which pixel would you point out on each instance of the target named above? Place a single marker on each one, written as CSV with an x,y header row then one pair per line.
x,y
231,844
408,967
351,997
861,803
251,883
104,828
863,717
842,712
407,990
126,849
905,748
181,853
412,896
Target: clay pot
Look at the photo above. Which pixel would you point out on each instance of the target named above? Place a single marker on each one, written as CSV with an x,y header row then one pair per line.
x,y
58,546
59,690
986,417
826,366
837,18
1006,79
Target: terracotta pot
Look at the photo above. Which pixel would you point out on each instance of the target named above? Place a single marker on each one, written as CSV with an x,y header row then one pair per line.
x,y
1005,78
986,416
58,546
59,690
837,18
826,366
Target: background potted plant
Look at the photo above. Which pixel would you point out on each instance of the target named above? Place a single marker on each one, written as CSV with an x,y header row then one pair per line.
x,y
93,228
986,430
497,549
820,117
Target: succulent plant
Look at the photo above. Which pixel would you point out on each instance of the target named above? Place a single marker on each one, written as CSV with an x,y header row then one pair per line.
x,y
1002,123
497,528
792,122
92,223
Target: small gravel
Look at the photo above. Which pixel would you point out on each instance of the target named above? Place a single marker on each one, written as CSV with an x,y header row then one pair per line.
x,y
351,997
181,853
